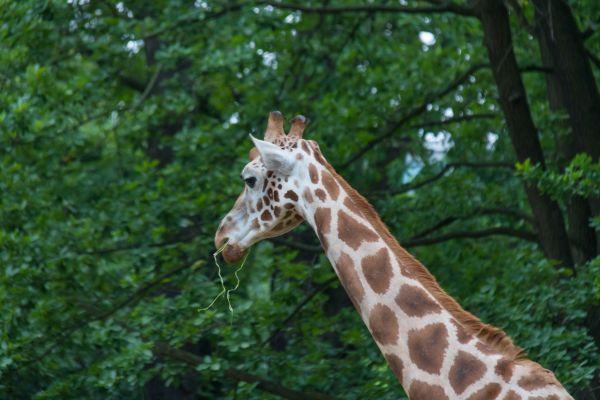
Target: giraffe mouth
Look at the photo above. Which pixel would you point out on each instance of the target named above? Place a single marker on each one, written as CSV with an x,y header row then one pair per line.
x,y
233,253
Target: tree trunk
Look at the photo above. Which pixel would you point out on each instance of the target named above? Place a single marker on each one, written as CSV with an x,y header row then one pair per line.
x,y
522,131
572,81
561,45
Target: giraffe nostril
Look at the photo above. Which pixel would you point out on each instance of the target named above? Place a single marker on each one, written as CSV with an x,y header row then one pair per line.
x,y
220,241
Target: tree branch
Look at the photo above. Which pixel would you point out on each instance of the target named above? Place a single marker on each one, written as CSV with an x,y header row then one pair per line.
x,y
453,120
593,58
506,211
420,240
414,112
194,18
164,350
147,288
590,30
474,213
149,88
535,68
521,17
300,306
131,82
435,227
450,166
503,231
99,315
104,114
182,237
133,246
445,7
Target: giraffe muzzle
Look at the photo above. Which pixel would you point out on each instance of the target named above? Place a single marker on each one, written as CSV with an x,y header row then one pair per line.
x,y
233,253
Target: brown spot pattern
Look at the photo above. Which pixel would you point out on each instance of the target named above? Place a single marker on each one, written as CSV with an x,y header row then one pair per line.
x,y
266,200
276,211
314,174
290,194
319,157
415,302
349,278
266,215
305,148
350,205
383,324
395,364
320,193
352,232
259,205
330,185
511,395
307,196
504,368
378,270
537,379
465,371
424,391
427,346
461,334
323,224
276,195
488,392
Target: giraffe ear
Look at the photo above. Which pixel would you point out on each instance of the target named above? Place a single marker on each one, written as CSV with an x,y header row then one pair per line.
x,y
273,156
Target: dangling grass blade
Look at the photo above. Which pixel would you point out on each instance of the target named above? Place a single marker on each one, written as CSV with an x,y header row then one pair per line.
x,y
224,290
237,285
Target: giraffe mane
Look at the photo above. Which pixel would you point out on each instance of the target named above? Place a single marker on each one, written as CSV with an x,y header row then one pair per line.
x,y
494,337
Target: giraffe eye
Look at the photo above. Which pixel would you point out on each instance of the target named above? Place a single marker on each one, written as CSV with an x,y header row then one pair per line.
x,y
250,182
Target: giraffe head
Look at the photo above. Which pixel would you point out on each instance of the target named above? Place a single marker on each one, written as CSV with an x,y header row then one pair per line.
x,y
268,204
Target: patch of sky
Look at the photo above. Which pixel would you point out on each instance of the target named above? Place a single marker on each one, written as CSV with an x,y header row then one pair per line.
x,y
414,165
491,139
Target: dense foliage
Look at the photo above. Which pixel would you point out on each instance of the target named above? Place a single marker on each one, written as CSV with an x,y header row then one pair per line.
x,y
124,127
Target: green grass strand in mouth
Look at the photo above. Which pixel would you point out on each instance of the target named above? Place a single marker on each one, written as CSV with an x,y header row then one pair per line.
x,y
224,290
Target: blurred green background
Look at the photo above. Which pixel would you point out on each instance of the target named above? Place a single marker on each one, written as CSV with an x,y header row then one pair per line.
x,y
123,130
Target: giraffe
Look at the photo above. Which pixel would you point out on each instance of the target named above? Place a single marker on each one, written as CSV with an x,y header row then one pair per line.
x,y
436,349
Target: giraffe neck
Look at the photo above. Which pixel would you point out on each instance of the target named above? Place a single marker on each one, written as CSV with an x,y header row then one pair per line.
x,y
435,348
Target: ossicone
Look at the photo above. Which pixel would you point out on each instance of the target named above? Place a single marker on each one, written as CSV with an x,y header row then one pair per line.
x,y
298,124
274,127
